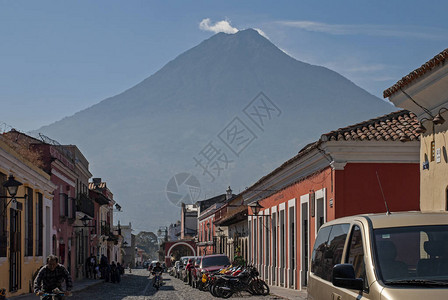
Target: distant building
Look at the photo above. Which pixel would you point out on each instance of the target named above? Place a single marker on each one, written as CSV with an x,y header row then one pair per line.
x,y
174,231
188,221
127,245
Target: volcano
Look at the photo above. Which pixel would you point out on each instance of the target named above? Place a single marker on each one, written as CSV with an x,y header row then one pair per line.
x,y
224,113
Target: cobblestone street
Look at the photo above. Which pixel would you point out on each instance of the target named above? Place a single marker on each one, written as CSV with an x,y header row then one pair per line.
x,y
138,286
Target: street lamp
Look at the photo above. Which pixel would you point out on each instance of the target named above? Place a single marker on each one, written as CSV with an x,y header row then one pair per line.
x,y
12,186
256,207
85,224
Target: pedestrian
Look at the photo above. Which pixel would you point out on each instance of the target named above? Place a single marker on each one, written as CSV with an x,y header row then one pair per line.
x,y
113,272
103,266
120,268
189,268
93,265
87,268
120,271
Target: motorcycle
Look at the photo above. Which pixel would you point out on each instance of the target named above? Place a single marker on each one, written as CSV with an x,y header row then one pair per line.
x,y
247,279
157,280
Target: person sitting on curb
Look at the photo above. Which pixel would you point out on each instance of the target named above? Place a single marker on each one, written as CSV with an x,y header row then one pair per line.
x,y
50,278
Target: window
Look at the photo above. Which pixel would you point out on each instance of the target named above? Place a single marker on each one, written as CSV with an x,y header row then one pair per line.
x,y
267,241
260,239
328,249
29,222
446,199
3,218
355,254
274,240
39,225
320,218
63,205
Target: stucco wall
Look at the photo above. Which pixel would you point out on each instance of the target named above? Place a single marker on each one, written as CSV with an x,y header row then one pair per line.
x,y
434,181
358,191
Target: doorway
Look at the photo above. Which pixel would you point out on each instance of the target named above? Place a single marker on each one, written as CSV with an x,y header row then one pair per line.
x,y
304,244
15,254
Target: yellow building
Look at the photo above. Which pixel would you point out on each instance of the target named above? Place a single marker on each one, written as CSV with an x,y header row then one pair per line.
x,y
424,91
25,231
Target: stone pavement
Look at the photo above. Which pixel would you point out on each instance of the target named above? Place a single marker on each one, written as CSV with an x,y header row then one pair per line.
x,y
288,293
78,285
101,291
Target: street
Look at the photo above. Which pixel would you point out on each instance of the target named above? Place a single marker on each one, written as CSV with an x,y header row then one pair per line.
x,y
137,286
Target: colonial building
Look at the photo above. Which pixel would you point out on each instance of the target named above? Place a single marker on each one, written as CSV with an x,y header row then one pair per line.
x,y
423,91
106,237
25,224
128,245
232,230
206,217
352,170
188,221
59,163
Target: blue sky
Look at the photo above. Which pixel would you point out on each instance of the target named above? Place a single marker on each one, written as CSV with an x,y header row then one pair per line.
x,y
59,57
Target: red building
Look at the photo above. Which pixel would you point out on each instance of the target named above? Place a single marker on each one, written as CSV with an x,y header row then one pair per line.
x,y
345,172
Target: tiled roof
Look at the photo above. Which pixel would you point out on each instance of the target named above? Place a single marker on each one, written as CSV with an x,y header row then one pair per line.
x,y
93,186
391,127
437,60
400,125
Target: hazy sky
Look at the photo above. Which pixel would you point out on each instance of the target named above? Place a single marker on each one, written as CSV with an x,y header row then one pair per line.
x,y
59,57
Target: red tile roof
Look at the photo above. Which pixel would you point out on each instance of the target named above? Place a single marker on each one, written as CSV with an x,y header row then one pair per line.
x,y
401,124
390,127
433,63
93,186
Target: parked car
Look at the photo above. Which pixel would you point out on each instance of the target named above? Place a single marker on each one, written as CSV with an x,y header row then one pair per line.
x,y
209,264
381,256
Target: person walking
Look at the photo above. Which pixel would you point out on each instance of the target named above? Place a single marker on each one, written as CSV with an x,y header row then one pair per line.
x,y
113,272
104,263
50,278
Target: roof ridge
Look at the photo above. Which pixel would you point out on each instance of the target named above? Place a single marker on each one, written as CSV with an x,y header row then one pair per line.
x,y
417,73
394,114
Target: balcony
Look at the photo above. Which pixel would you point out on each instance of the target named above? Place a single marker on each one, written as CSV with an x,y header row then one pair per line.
x,y
105,229
85,204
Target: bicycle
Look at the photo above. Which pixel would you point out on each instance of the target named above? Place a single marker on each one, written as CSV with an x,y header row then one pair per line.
x,y
56,294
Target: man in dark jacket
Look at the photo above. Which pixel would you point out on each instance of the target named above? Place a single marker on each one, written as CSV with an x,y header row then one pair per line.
x,y
50,277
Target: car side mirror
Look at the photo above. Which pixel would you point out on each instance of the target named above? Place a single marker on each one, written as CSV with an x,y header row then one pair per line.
x,y
344,276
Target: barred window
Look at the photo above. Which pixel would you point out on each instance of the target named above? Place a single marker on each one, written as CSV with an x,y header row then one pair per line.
x,y
3,218
39,225
29,222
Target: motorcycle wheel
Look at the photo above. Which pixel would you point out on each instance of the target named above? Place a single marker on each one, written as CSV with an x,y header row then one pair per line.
x,y
261,288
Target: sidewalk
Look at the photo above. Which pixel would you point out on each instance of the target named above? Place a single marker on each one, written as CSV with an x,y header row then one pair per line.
x,y
288,293
77,286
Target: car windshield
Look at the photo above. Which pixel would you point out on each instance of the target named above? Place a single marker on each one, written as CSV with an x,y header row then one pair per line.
x,y
411,255
215,261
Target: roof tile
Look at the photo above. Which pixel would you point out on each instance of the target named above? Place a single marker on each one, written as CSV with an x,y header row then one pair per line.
x,y
388,127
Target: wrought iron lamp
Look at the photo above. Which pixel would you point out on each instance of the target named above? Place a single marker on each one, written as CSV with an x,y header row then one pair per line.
x,y
12,186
